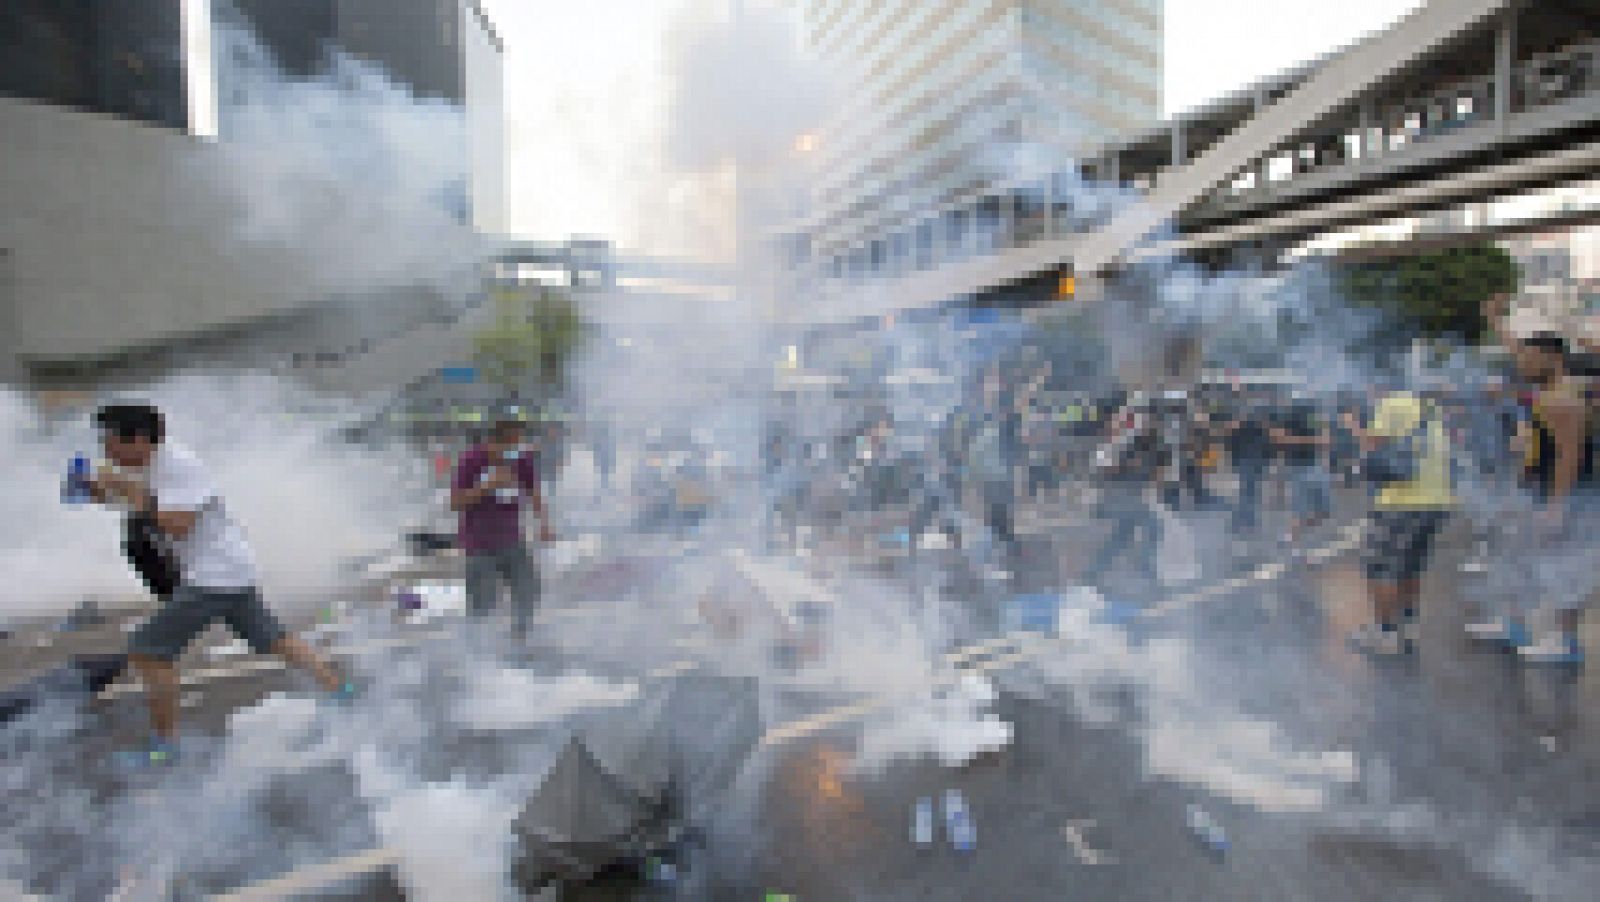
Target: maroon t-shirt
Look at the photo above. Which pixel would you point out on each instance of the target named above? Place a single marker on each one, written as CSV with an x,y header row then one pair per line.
x,y
493,523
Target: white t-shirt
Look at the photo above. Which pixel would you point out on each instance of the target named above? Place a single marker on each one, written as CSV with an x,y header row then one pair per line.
x,y
214,555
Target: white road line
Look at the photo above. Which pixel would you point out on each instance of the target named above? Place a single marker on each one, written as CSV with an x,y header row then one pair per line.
x,y
796,729
315,877
268,665
1024,644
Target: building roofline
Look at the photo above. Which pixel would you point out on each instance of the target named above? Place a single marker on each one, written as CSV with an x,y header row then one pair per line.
x,y
475,7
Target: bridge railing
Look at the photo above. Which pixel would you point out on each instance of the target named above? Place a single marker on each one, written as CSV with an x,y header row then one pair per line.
x,y
1541,82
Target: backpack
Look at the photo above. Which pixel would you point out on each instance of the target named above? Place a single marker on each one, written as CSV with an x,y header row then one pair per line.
x,y
1399,459
150,555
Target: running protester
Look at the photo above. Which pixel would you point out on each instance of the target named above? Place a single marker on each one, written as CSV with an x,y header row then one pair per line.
x,y
1559,473
1406,517
1249,446
162,481
1129,471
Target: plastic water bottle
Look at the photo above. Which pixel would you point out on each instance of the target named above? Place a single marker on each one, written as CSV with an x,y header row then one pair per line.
x,y
958,822
1207,831
75,488
922,822
515,492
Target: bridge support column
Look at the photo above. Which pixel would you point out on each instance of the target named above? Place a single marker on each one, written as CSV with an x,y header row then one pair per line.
x,y
1505,61
1180,149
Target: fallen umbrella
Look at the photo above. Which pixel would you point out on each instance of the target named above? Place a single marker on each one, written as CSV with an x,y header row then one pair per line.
x,y
632,781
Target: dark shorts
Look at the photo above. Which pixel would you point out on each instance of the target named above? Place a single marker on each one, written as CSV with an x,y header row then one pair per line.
x,y
193,608
1398,543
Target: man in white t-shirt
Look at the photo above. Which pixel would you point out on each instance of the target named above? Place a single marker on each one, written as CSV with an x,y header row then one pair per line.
x,y
218,579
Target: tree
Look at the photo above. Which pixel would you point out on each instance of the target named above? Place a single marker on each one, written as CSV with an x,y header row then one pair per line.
x,y
534,334
1434,294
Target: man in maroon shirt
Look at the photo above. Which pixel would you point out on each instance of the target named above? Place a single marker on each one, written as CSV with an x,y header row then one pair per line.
x,y
492,482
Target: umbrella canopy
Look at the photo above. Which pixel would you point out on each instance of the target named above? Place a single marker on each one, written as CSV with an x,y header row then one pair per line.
x,y
627,778
579,820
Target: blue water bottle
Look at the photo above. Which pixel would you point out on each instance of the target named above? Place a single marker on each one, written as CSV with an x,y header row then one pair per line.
x,y
75,488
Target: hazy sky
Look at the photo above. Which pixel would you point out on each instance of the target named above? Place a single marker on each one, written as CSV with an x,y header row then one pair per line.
x,y
585,85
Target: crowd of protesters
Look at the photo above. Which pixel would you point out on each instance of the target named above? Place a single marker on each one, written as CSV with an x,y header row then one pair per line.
x,y
1513,453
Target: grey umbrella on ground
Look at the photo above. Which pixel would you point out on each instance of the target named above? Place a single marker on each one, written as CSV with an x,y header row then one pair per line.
x,y
629,781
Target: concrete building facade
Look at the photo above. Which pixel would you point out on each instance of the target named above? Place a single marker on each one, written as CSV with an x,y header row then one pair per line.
x,y
946,101
121,235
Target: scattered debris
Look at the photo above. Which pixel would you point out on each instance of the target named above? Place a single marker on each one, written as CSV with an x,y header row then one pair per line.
x,y
1086,853
1207,831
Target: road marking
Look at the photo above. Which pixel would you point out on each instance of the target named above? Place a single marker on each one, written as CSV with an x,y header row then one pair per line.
x,y
806,726
1074,830
1023,644
315,877
255,666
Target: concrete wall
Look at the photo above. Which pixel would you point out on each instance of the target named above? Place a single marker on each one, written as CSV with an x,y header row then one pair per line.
x,y
485,101
120,236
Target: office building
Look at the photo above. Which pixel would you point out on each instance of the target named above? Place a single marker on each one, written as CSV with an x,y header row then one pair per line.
x,y
123,59
946,105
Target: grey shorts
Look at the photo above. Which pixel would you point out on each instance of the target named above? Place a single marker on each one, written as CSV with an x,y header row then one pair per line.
x,y
193,608
515,569
1398,543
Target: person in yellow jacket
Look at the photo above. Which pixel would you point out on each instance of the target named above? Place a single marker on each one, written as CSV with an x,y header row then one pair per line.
x,y
1406,518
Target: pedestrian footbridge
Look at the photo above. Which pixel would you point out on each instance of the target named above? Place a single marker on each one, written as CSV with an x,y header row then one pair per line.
x,y
1462,100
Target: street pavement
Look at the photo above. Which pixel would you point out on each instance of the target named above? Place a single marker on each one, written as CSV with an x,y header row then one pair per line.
x,y
1495,757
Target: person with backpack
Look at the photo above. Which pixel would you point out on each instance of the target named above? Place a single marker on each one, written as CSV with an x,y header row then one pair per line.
x,y
1407,457
177,514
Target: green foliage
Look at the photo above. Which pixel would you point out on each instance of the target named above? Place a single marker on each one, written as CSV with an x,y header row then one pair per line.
x,y
1435,294
535,332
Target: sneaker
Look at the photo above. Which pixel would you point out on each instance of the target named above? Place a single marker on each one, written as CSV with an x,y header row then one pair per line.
x,y
347,692
1500,631
154,753
1373,639
1552,648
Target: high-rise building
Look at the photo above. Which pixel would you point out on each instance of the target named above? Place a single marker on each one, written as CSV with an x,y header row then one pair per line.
x,y
946,103
445,50
417,43
124,59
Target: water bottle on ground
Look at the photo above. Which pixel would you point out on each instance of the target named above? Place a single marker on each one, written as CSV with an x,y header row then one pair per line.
x,y
922,823
958,822
1207,831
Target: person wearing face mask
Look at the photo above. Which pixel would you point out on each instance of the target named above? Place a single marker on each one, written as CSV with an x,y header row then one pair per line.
x,y
493,481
